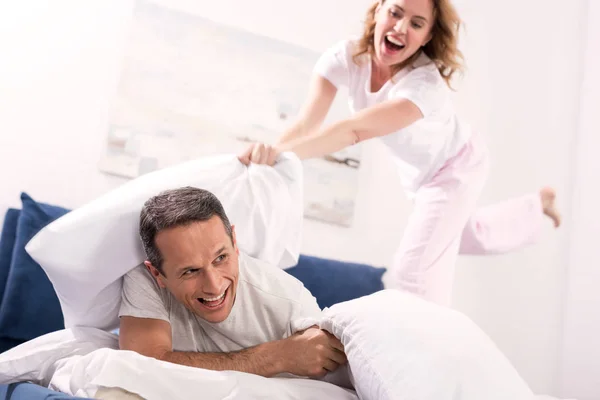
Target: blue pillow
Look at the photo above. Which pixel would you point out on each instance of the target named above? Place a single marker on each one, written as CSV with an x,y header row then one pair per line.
x,y
7,243
7,344
332,281
30,307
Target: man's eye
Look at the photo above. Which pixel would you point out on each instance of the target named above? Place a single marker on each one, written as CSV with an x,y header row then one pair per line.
x,y
190,272
221,258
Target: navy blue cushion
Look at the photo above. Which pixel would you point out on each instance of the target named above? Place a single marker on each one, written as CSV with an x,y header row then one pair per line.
x,y
7,344
30,307
7,243
333,282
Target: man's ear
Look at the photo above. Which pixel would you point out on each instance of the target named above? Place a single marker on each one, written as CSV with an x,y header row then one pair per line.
x,y
155,273
234,240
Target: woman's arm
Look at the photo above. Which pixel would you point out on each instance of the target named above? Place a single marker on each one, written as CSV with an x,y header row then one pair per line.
x,y
321,94
379,120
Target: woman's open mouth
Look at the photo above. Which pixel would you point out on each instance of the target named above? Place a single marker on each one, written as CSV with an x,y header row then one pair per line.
x,y
393,44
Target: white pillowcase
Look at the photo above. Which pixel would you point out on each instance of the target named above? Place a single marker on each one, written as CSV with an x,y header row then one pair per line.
x,y
402,347
86,252
36,360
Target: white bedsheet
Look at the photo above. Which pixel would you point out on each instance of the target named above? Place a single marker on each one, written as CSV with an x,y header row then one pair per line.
x,y
80,361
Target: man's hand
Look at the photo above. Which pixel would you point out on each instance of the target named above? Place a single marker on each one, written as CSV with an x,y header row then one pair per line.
x,y
312,353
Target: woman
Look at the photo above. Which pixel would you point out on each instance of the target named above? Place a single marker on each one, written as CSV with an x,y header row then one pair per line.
x,y
398,78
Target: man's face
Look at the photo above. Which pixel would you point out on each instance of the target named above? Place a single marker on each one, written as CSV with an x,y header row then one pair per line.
x,y
200,267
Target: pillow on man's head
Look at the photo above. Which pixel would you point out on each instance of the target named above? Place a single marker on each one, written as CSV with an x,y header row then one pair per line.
x,y
87,252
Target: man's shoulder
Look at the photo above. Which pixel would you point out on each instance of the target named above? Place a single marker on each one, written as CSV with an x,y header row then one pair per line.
x,y
141,296
140,281
139,274
264,278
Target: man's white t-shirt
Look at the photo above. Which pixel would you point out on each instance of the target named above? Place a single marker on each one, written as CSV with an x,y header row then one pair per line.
x,y
268,302
422,148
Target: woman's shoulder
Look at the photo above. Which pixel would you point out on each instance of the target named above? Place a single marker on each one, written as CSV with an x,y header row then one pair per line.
x,y
423,84
425,71
342,57
345,47
341,46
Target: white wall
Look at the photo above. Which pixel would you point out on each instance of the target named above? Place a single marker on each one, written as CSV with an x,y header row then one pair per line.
x,y
523,92
60,68
580,357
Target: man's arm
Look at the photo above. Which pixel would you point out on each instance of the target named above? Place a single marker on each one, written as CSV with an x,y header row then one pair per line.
x,y
152,338
311,353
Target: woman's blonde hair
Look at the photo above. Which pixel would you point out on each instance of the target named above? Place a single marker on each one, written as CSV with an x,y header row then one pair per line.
x,y
442,49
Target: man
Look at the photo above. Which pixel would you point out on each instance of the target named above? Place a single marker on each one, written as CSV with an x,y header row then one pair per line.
x,y
198,301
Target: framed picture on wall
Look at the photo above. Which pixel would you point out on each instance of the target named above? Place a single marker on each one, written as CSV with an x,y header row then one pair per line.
x,y
190,87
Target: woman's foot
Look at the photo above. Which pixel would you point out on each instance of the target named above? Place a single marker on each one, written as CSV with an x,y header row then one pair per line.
x,y
548,197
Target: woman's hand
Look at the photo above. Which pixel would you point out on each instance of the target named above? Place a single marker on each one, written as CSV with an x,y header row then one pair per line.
x,y
259,153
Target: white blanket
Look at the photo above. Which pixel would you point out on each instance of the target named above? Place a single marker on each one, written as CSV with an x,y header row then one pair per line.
x,y
80,361
157,380
398,347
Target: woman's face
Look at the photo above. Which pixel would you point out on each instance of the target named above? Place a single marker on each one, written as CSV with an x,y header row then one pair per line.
x,y
402,27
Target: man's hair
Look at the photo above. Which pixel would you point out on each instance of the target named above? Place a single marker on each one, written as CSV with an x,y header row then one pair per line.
x,y
177,207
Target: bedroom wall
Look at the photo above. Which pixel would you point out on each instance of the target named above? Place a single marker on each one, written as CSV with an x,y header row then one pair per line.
x,y
580,355
60,68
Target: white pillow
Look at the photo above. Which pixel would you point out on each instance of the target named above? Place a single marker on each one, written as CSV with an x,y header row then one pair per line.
x,y
402,347
36,360
86,252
